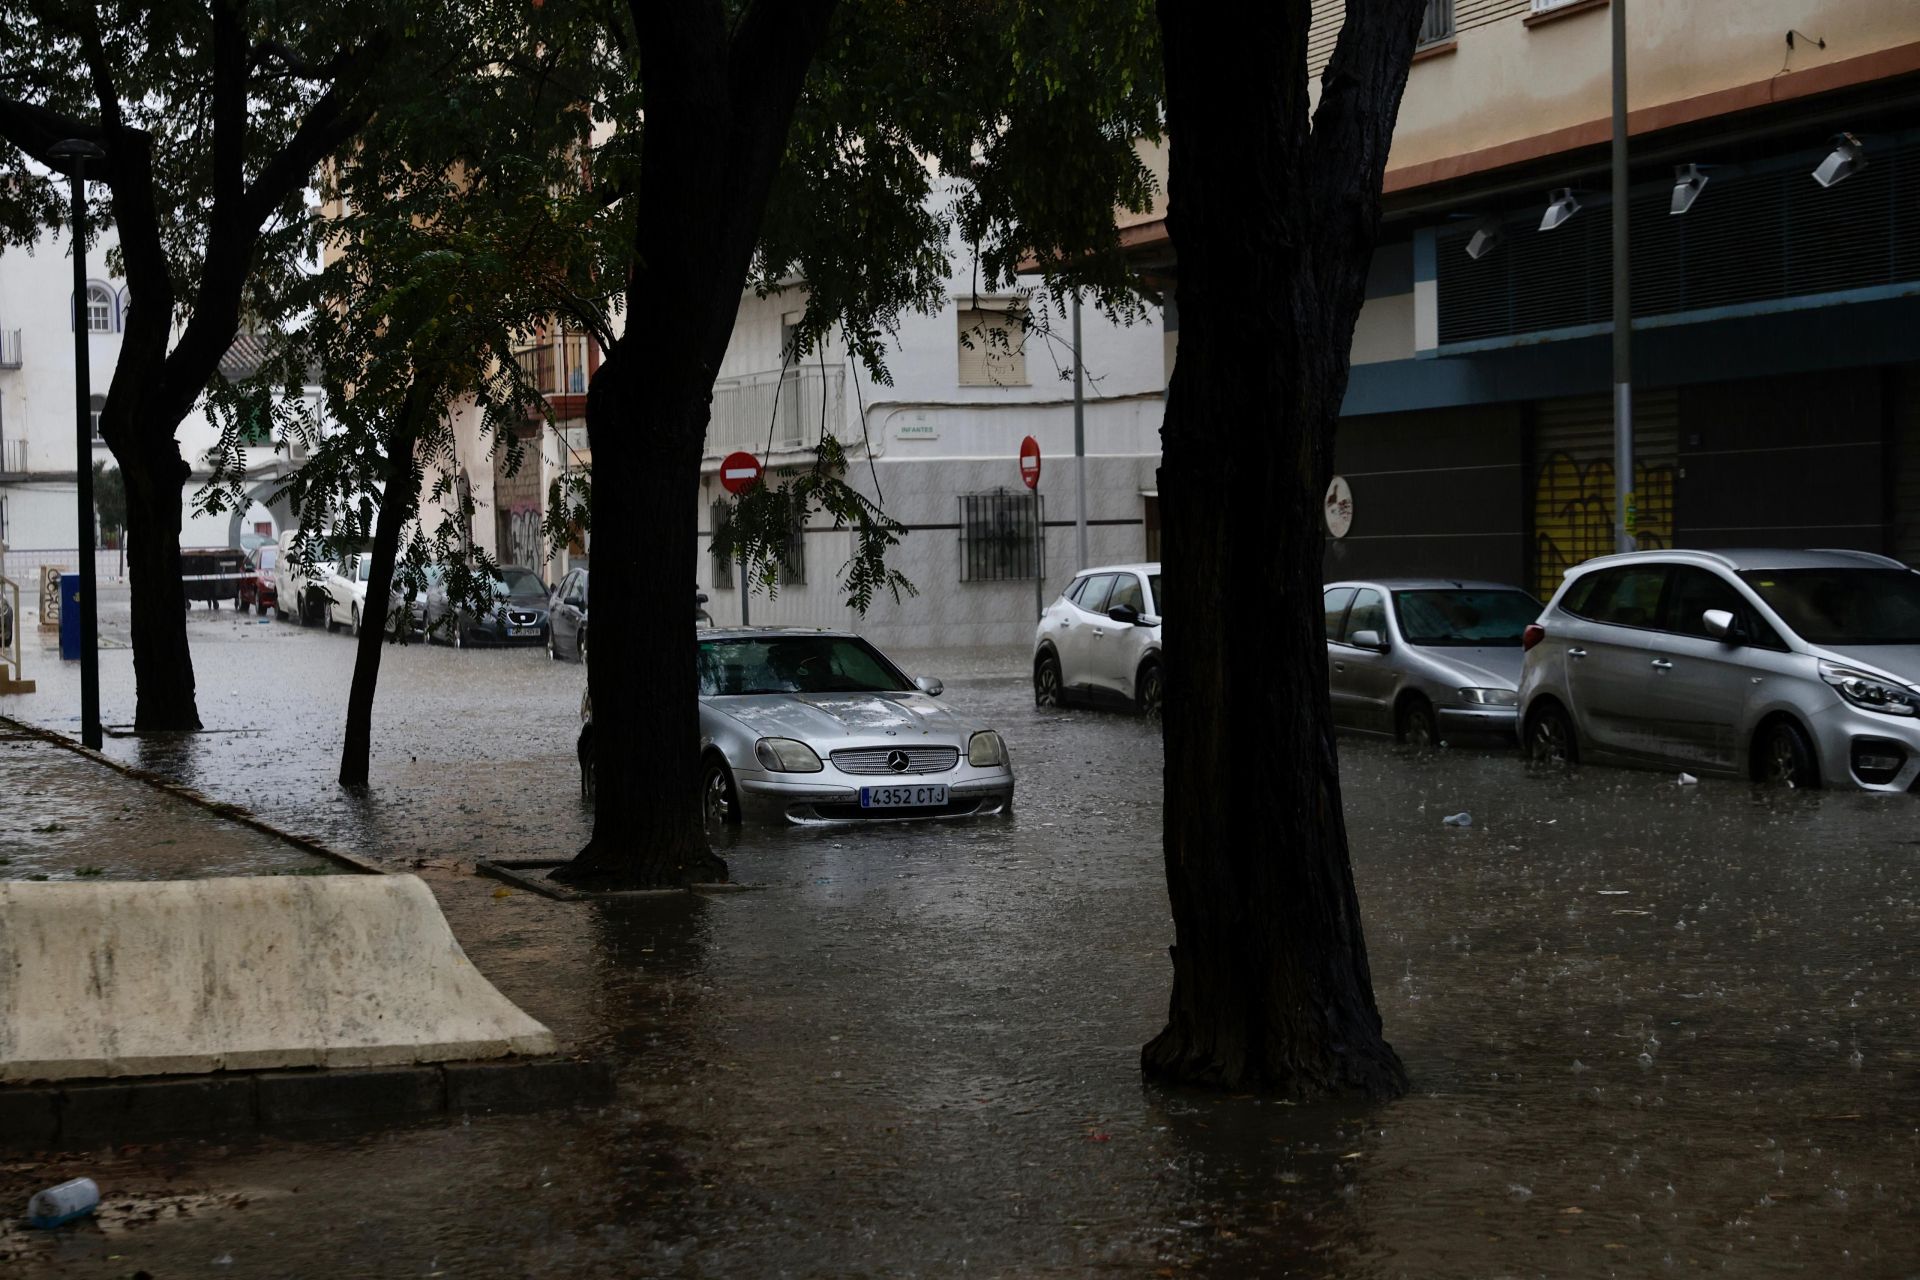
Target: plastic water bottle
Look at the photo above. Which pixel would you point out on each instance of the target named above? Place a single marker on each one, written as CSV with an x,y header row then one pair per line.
x,y
57,1206
1457,820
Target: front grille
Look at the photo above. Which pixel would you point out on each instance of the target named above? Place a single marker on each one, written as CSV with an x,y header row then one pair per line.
x,y
520,617
874,760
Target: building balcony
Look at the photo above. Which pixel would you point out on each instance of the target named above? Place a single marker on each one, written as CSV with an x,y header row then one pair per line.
x,y
9,348
780,411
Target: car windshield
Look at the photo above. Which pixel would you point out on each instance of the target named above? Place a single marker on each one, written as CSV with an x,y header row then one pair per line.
x,y
264,558
1843,606
519,584
795,664
1464,617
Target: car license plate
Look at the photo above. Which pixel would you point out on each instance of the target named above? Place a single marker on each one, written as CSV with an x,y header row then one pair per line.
x,y
521,631
903,797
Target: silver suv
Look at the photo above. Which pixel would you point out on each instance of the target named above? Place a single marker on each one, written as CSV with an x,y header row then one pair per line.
x,y
1792,667
1100,641
1415,657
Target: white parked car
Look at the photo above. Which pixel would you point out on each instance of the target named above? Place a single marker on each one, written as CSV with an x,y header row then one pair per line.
x,y
292,589
1100,641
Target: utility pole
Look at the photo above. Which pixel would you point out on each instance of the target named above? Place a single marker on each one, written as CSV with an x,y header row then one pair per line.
x,y
1623,499
1079,434
78,151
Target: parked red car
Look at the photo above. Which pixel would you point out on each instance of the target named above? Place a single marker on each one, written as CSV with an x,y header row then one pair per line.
x,y
256,588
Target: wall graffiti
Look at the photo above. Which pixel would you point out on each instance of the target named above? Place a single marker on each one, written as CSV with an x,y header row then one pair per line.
x,y
1573,513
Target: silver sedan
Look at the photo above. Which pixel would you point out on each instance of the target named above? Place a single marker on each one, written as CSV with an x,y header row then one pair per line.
x,y
818,726
1420,657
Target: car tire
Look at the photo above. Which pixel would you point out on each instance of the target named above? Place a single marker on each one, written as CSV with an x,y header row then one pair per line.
x,y
580,645
553,654
719,798
1150,688
260,606
1415,724
1783,757
1551,741
327,617
1048,688
356,619
459,636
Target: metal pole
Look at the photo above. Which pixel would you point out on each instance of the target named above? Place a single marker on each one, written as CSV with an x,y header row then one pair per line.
x,y
1039,558
746,585
78,151
1623,500
1079,437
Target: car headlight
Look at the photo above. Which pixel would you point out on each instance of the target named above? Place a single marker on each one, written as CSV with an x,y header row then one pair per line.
x,y
784,755
985,750
1491,697
1870,692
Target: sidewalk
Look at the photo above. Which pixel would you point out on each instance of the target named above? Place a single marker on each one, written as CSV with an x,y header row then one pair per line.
x,y
68,816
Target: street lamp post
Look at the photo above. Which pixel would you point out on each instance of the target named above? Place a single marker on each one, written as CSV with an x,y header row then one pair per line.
x,y
1623,512
77,151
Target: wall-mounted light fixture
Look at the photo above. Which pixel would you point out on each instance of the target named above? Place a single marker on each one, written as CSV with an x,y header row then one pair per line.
x,y
1486,237
1559,209
1848,157
1687,182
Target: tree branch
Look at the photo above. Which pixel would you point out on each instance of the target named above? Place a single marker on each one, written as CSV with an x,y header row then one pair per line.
x,y
34,129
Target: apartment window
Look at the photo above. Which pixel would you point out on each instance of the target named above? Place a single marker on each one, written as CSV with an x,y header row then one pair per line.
x,y
793,553
94,408
720,517
101,310
992,346
1001,538
1437,25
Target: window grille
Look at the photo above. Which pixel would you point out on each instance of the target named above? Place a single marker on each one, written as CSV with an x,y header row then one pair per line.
x,y
793,554
1000,538
719,521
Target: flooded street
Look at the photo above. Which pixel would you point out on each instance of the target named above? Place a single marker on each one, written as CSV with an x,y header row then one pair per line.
x,y
1652,1029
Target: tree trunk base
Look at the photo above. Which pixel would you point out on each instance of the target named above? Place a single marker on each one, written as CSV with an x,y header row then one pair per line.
x,y
591,874
1371,1072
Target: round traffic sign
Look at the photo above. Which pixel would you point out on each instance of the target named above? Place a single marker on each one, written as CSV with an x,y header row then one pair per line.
x,y
1030,462
739,471
1339,507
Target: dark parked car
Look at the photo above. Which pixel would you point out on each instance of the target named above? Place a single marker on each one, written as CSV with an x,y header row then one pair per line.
x,y
518,616
257,589
567,637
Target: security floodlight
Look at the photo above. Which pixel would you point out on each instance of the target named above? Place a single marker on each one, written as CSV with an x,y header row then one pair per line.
x,y
1485,239
1562,207
1687,182
1847,158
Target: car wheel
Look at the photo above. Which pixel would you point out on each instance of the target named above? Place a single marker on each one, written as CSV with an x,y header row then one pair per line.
x,y
553,654
580,645
1416,724
719,800
1047,690
278,612
1550,738
356,619
1785,757
328,618
1149,689
459,636
260,606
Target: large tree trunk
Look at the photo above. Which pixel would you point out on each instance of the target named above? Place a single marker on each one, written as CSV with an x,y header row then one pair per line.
x,y
1274,226
720,101
647,429
396,508
155,474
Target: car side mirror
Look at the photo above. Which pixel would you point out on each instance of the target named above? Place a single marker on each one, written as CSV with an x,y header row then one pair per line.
x,y
929,686
1722,625
1125,614
1367,640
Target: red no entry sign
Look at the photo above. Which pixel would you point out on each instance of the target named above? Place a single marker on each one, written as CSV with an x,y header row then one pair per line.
x,y
738,472
1030,462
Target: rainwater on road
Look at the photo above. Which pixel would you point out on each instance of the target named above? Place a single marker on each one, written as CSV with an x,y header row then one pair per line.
x,y
1652,1029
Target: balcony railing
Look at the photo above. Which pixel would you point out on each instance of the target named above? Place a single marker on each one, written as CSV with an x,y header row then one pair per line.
x,y
13,456
784,406
556,366
1437,25
9,348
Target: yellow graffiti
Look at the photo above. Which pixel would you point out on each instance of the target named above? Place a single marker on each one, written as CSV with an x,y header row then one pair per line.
x,y
1573,514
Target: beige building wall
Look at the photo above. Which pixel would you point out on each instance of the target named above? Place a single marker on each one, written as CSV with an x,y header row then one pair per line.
x,y
1513,83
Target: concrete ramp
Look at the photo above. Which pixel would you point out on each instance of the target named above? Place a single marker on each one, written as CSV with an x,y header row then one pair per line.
x,y
162,977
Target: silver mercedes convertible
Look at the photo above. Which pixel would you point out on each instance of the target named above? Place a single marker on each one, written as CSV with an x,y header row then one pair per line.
x,y
817,726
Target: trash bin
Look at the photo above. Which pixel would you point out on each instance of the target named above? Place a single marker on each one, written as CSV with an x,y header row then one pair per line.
x,y
70,617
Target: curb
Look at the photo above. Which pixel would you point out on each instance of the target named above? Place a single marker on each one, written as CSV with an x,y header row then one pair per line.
x,y
91,1115
514,871
218,808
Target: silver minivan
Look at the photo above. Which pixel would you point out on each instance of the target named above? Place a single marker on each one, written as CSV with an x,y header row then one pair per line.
x,y
1418,658
1792,667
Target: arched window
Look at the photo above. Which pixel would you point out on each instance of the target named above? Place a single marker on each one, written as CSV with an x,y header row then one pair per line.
x,y
94,407
103,312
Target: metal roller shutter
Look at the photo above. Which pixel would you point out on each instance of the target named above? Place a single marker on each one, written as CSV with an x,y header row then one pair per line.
x,y
1572,463
1905,515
